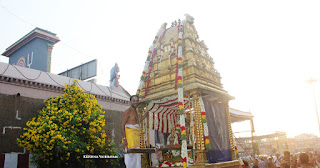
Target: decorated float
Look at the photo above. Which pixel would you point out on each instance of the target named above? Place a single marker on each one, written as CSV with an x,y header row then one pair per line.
x,y
189,122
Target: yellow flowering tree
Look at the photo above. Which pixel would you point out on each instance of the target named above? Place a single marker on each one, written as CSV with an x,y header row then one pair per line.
x,y
68,127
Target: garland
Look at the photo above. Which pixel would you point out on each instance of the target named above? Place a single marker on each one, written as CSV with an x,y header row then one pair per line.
x,y
149,59
237,153
229,125
162,113
205,125
156,106
179,85
151,64
192,124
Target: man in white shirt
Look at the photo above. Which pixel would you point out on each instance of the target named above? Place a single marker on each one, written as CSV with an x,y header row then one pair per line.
x,y
277,160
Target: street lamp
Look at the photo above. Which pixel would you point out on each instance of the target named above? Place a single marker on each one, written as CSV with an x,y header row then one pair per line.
x,y
312,81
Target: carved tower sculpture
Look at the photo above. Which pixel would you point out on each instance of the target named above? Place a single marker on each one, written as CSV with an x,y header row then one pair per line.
x,y
178,64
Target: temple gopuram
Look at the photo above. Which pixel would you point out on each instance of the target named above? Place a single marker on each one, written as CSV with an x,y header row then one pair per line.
x,y
189,121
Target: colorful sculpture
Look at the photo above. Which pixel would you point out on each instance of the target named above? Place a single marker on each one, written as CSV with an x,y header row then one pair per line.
x,y
114,77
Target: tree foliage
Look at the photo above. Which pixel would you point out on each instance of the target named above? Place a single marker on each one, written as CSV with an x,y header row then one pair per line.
x,y
68,127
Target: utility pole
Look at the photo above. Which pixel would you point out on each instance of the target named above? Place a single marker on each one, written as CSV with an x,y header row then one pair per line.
x,y
252,143
312,81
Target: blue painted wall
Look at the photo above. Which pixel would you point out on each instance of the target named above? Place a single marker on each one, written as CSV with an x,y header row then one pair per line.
x,y
39,47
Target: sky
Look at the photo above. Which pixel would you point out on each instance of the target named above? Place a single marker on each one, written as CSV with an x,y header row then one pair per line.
x,y
264,50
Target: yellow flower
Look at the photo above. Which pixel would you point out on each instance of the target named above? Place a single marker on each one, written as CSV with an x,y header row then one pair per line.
x,y
207,141
184,164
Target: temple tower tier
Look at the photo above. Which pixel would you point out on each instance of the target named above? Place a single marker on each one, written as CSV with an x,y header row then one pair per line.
x,y
183,94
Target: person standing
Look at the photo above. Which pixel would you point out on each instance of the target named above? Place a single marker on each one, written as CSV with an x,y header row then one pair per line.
x,y
277,160
311,159
270,163
130,129
304,160
262,163
286,158
294,161
246,164
317,162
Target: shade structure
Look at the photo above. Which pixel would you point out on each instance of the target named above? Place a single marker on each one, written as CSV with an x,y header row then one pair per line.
x,y
238,116
164,113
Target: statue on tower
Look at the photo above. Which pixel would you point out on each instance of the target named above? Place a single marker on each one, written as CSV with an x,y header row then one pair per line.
x,y
114,76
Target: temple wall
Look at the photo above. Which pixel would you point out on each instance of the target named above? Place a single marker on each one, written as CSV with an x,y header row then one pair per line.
x,y
15,111
22,95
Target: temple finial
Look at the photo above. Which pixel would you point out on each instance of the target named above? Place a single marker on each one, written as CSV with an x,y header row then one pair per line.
x,y
189,18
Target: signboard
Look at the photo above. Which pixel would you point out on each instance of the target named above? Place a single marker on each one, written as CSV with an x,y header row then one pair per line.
x,y
83,71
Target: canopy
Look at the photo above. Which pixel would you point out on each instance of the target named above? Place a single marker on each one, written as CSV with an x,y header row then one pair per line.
x,y
165,113
238,116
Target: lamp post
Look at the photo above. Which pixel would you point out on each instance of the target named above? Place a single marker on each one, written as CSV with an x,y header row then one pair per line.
x,y
312,81
252,131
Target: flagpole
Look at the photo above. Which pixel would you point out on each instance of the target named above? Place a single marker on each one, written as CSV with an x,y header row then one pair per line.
x,y
315,103
311,81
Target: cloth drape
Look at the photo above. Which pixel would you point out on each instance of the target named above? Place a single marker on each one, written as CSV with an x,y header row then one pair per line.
x,y
218,132
132,135
133,160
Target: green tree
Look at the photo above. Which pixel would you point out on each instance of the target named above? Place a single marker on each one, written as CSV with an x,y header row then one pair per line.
x,y
68,127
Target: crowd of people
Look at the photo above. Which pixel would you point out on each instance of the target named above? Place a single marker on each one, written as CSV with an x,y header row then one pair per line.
x,y
303,160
